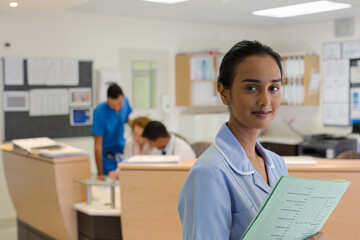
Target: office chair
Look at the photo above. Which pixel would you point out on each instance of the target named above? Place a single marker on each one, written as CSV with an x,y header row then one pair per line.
x,y
200,147
351,154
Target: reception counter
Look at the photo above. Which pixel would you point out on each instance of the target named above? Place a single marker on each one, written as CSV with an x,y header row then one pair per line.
x,y
43,192
149,198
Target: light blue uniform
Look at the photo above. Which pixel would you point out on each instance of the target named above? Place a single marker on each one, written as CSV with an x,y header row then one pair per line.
x,y
109,125
223,193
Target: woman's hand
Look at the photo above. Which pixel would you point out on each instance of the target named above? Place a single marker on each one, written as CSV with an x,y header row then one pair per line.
x,y
318,236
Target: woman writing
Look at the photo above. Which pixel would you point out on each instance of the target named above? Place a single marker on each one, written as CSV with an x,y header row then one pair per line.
x,y
231,180
137,145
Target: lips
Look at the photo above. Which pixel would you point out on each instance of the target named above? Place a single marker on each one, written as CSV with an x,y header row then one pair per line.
x,y
262,114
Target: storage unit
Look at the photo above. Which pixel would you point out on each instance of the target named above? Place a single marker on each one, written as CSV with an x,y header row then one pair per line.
x,y
196,76
300,74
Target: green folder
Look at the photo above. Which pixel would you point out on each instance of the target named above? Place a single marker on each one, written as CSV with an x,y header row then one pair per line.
x,y
297,208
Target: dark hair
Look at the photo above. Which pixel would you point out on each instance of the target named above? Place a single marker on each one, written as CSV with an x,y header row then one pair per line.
x,y
155,130
238,53
114,91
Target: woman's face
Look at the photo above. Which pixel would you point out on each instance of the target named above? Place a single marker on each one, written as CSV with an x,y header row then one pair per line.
x,y
137,135
254,97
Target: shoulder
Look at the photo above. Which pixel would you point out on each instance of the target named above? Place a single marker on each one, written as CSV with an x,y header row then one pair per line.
x,y
100,108
210,161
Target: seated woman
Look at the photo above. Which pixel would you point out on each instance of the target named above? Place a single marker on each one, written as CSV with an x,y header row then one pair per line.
x,y
137,145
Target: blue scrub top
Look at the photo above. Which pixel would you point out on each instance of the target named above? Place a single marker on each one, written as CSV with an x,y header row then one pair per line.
x,y
109,125
223,192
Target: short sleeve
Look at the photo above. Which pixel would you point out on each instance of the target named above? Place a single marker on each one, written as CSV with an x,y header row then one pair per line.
x,y
97,126
204,206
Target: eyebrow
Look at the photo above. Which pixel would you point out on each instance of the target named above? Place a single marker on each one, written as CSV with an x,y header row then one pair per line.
x,y
257,81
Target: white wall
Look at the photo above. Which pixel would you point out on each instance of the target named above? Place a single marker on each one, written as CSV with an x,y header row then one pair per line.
x,y
99,38
309,38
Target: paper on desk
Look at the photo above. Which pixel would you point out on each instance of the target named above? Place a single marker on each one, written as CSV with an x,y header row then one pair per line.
x,y
300,160
296,209
153,159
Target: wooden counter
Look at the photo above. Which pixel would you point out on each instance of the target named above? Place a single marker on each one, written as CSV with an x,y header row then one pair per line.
x,y
149,198
43,192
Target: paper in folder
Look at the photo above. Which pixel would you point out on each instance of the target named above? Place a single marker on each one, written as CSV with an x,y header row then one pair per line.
x,y
297,208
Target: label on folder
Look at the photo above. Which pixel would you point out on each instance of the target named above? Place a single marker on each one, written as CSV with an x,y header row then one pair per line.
x,y
297,208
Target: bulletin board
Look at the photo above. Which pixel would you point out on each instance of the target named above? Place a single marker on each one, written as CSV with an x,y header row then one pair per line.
x,y
24,124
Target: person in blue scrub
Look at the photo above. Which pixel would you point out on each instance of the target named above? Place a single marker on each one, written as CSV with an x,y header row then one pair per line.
x,y
108,129
231,180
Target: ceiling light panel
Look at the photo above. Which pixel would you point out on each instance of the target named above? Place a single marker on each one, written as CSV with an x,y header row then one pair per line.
x,y
302,9
166,1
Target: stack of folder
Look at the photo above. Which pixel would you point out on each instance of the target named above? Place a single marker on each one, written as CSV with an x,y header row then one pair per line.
x,y
46,147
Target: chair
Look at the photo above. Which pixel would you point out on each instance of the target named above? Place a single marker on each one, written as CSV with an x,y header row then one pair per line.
x,y
351,154
200,147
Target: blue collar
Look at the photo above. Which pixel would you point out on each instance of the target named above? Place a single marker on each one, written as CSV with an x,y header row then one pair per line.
x,y
233,152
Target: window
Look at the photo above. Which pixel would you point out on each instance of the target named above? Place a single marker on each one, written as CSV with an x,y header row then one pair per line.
x,y
144,84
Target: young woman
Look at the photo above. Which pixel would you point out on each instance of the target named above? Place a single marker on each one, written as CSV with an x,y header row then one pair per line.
x,y
137,145
231,180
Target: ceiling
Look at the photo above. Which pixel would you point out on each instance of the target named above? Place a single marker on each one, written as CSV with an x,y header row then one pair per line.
x,y
224,12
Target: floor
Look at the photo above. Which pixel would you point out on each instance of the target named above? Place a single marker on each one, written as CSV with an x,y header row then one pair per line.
x,y
8,233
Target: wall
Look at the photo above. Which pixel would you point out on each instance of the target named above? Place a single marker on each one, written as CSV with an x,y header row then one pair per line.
x,y
99,38
305,38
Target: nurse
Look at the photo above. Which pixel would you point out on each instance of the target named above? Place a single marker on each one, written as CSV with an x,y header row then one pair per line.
x,y
108,129
229,183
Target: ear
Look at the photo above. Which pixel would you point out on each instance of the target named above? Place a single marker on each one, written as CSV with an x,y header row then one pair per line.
x,y
224,94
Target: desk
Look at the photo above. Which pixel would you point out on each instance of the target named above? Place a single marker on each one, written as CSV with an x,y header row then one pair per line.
x,y
149,198
43,192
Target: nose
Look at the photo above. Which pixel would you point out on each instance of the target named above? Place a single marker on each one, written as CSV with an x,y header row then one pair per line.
x,y
264,98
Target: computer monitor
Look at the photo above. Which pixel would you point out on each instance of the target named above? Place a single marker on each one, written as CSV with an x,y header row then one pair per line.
x,y
81,116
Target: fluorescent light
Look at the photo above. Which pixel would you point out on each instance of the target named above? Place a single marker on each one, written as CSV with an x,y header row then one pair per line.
x,y
302,9
13,4
165,1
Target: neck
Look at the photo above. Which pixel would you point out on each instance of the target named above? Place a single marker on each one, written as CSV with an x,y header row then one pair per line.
x,y
246,137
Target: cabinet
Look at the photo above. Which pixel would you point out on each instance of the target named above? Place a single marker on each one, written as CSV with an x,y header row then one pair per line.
x,y
196,76
301,80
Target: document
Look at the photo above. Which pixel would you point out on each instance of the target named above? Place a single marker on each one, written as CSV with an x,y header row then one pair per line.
x,y
70,72
297,208
49,102
47,147
153,159
36,71
53,72
14,71
332,50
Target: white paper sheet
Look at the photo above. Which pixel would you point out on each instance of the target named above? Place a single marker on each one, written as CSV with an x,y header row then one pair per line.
x,y
48,102
36,71
351,49
332,50
329,117
70,72
14,71
313,89
342,116
329,92
343,70
16,101
329,70
53,71
342,90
